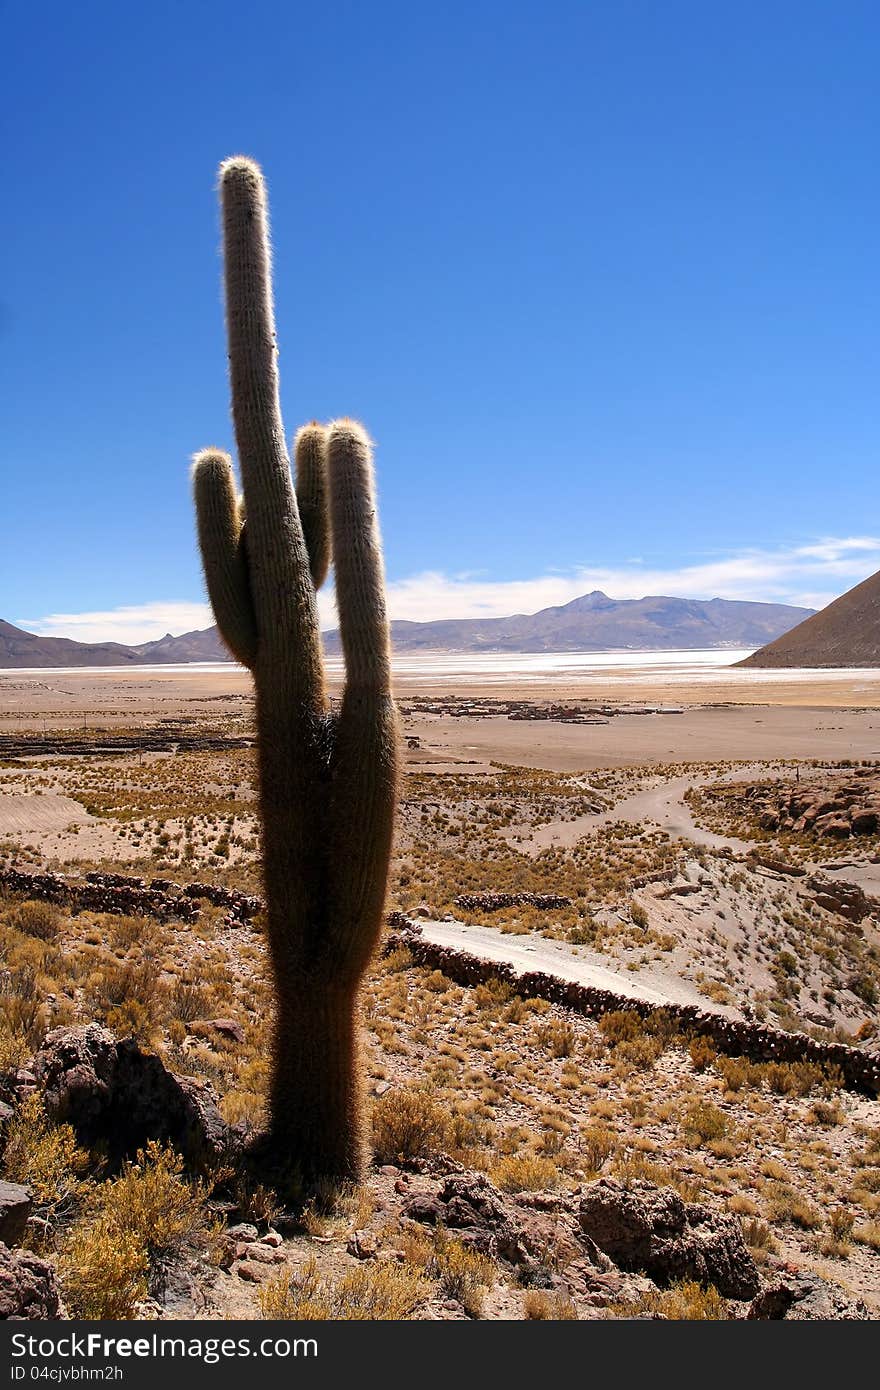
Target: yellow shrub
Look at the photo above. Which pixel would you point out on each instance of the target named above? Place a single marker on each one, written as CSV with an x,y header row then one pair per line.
x,y
623,1025
548,1307
150,1211
42,1154
407,1125
703,1122
685,1301
702,1053
39,919
524,1173
152,1201
463,1273
103,1271
369,1293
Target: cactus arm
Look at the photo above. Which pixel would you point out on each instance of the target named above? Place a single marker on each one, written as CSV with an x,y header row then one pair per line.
x,y
309,450
365,755
224,559
281,584
357,551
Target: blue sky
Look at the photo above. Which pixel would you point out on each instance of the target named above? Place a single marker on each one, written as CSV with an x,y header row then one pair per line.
x,y
601,279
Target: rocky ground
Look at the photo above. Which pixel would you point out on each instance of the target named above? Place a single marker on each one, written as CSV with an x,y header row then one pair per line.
x,y
530,1161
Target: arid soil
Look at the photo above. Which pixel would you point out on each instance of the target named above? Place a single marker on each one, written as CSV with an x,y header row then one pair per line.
x,y
639,823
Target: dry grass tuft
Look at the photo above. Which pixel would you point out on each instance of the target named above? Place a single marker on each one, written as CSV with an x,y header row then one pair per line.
x,y
375,1293
407,1125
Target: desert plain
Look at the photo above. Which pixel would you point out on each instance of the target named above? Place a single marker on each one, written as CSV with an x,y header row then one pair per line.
x,y
679,833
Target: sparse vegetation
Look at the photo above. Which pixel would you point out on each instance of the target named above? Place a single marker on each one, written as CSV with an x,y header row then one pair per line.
x,y
538,1099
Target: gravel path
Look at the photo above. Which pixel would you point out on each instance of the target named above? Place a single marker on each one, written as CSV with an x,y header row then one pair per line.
x,y
664,806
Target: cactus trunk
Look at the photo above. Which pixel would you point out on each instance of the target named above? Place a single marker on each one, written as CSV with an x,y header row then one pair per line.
x,y
317,1089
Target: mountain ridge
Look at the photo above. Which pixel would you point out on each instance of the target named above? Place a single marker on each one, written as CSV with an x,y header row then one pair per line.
x,y
590,622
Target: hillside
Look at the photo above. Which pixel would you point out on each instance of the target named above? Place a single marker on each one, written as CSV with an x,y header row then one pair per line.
x,y
846,633
201,645
25,649
603,1082
593,622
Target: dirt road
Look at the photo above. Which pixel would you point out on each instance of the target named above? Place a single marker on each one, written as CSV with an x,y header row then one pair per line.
x,y
567,962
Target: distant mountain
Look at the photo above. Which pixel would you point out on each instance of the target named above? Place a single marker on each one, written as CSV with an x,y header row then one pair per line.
x,y
205,644
846,633
20,648
596,622
593,623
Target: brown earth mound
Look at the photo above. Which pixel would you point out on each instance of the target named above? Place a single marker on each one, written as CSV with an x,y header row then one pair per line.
x,y
846,633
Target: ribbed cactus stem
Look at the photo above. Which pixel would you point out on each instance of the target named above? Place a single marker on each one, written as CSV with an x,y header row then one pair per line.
x,y
327,784
221,539
360,579
284,596
310,451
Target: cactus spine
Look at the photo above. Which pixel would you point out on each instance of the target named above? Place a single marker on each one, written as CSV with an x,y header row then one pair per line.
x,y
327,784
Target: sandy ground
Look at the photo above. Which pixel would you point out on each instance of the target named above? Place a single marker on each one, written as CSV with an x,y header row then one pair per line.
x,y
127,690
698,734
724,719
32,813
58,827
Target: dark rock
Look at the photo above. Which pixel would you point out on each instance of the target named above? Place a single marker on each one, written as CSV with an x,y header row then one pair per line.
x,y
263,1254
832,826
471,1200
15,1206
426,1209
652,1229
227,1028
779,866
28,1287
243,1231
473,1206
493,902
846,899
481,1217
804,1297
864,822
111,1091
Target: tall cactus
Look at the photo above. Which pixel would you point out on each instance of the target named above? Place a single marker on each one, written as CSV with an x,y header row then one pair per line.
x,y
327,783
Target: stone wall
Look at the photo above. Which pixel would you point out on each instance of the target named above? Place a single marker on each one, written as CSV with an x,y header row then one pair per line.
x,y
738,1037
493,902
125,895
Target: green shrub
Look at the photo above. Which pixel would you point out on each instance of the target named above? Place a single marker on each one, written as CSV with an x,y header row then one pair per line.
x,y
703,1122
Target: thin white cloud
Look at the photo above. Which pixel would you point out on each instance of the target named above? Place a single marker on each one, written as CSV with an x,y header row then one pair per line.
x,y
131,624
809,576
